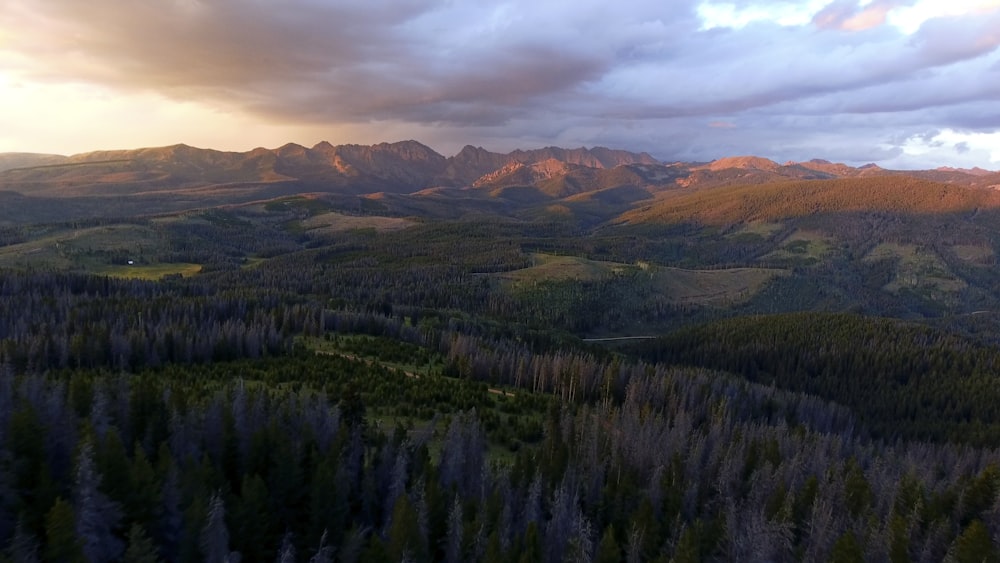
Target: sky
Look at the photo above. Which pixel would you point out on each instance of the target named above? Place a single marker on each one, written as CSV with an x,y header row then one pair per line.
x,y
901,83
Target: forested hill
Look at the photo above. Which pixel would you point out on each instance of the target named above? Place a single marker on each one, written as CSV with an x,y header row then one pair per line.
x,y
903,380
774,202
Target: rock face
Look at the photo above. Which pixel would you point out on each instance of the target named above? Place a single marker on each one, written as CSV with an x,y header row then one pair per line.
x,y
746,162
517,173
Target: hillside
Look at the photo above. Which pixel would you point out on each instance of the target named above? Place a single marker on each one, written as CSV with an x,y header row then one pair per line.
x,y
781,200
23,160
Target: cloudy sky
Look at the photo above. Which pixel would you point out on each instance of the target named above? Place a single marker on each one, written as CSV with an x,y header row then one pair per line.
x,y
904,83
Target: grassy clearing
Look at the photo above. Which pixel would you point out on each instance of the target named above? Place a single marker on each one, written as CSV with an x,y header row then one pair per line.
x,y
147,271
713,287
974,254
705,287
309,205
919,270
548,267
807,246
334,222
252,262
41,254
397,356
511,418
84,249
762,229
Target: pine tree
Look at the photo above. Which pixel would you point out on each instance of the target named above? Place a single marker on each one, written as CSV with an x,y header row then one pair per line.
x,y
328,502
215,535
324,553
404,533
23,546
353,545
688,545
144,495
974,545
608,550
61,542
31,474
453,549
140,548
532,545
286,553
847,550
494,551
170,520
251,521
97,517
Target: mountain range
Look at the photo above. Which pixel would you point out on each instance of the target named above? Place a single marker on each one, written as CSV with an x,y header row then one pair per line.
x,y
406,178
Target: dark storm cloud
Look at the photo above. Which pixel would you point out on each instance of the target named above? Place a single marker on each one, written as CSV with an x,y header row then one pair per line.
x,y
642,74
320,60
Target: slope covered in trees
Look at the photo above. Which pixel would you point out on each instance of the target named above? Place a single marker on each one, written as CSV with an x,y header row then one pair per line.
x,y
776,201
903,380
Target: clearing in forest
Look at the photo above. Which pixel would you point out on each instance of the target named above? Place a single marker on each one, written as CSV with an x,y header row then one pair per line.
x,y
713,287
705,287
809,246
88,249
549,267
147,271
981,255
333,222
918,269
762,229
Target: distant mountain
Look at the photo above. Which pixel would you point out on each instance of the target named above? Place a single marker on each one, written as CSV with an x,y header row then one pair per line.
x,y
597,182
977,171
744,162
597,157
518,173
402,167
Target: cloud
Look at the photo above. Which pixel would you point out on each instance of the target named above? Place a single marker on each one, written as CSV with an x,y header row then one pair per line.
x,y
818,76
849,15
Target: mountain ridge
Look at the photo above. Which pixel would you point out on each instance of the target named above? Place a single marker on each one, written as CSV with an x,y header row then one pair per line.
x,y
465,168
178,177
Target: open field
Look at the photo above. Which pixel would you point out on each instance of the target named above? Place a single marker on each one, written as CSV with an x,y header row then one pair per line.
x,y
706,287
83,249
918,269
548,267
713,287
975,254
147,271
802,245
333,222
762,229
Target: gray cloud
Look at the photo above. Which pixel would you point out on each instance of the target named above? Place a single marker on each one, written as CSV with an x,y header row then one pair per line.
x,y
639,74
